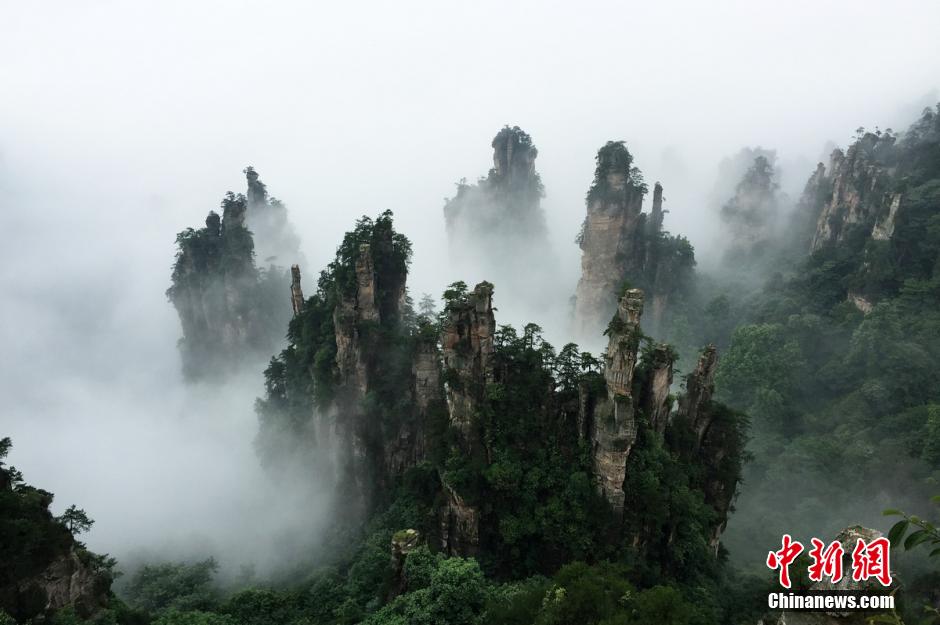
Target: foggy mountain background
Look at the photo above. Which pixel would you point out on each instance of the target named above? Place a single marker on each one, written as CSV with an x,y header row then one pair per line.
x,y
123,123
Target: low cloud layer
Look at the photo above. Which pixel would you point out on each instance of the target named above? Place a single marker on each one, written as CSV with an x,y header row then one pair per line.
x,y
122,124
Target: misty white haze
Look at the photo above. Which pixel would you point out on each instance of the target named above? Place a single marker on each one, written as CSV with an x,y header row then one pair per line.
x,y
123,123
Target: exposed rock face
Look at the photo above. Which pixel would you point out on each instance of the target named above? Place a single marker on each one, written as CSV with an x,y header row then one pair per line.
x,y
369,459
623,245
409,447
656,402
228,308
611,238
861,303
657,215
467,338
69,582
354,308
859,193
215,291
296,292
612,424
44,569
699,387
716,440
403,543
459,525
427,374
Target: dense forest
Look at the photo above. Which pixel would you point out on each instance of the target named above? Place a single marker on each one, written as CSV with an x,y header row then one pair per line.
x,y
485,476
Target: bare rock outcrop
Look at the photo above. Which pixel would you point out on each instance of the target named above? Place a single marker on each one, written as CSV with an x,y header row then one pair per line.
x,y
459,525
699,387
225,286
370,459
611,237
623,245
296,290
427,373
859,193
403,543
656,396
69,582
610,422
467,338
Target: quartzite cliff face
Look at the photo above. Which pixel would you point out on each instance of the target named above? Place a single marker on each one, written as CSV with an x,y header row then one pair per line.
x,y
870,202
613,426
398,391
859,193
44,568
230,311
622,245
694,430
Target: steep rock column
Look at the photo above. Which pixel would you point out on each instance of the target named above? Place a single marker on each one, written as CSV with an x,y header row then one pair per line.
x,y
467,338
699,387
657,214
403,543
656,400
427,373
354,313
611,239
859,192
296,292
717,441
613,428
409,446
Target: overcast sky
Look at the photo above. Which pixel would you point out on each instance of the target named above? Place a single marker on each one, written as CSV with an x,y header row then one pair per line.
x,y
123,122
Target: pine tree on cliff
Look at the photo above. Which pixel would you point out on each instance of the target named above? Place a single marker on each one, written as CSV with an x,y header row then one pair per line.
x,y
43,568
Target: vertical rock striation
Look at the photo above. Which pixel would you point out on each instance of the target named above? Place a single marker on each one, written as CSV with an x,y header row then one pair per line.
x,y
467,337
230,309
296,291
699,387
615,428
622,245
657,401
860,196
